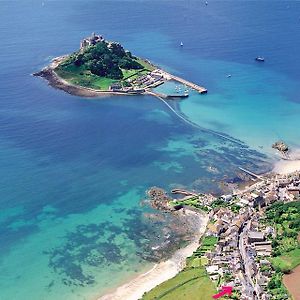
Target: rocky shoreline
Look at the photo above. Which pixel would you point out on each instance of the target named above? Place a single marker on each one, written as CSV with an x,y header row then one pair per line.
x,y
57,82
166,268
166,229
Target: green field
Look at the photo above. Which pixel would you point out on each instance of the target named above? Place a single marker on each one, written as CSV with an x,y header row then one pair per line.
x,y
82,77
190,284
193,202
207,244
77,76
145,64
193,283
287,261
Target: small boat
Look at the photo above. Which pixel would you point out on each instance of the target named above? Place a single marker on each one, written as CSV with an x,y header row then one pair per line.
x,y
206,3
228,76
181,44
260,58
185,95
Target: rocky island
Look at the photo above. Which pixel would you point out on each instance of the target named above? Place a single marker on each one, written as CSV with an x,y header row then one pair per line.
x,y
105,67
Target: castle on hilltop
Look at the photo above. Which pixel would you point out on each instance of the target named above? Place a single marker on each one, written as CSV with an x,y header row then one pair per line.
x,y
91,40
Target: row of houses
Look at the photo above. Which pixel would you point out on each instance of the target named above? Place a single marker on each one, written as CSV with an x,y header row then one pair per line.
x,y
226,263
147,80
244,242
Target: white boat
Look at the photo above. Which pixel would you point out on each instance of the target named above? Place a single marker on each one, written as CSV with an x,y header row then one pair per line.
x,y
181,44
260,58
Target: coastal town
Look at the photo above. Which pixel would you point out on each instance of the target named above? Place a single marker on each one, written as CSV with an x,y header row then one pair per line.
x,y
239,245
243,240
150,150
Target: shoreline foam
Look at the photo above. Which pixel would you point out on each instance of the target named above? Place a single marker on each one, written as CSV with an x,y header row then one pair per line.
x,y
161,272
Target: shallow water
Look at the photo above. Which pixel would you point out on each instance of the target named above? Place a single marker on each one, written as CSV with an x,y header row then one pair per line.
x,y
74,170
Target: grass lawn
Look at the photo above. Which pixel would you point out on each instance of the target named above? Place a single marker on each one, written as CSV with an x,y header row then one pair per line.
x,y
82,77
77,76
129,73
287,261
145,64
190,284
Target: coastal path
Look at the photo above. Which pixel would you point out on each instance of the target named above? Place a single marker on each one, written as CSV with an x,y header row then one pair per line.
x,y
223,136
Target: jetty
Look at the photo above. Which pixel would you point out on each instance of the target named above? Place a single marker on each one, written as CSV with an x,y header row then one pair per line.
x,y
183,192
166,96
172,96
250,173
200,89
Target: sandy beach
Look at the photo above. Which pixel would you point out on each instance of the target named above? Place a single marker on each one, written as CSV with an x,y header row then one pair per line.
x,y
288,166
161,272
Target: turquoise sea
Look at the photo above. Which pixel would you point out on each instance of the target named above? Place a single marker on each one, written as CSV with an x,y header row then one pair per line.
x,y
73,170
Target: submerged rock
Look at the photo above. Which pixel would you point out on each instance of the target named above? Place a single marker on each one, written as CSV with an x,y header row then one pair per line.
x,y
281,146
159,199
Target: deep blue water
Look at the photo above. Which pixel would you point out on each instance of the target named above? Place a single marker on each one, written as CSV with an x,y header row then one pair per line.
x,y
73,170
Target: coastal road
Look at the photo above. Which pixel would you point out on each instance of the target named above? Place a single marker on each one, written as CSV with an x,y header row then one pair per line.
x,y
248,284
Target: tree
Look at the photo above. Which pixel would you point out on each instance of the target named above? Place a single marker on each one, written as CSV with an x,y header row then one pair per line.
x,y
115,73
79,60
98,69
117,49
126,63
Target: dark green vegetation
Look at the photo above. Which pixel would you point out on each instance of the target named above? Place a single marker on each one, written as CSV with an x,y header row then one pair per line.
x,y
285,218
192,282
276,287
208,243
221,203
218,203
193,202
100,65
287,261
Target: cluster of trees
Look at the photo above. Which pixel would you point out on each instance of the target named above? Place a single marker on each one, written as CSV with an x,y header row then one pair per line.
x,y
276,287
105,60
286,217
221,203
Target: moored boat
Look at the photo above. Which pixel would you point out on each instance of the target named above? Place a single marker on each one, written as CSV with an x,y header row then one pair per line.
x,y
260,58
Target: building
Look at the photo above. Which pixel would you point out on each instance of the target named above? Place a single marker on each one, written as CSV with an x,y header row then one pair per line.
x,y
263,248
294,192
212,269
91,40
255,236
226,198
258,200
116,87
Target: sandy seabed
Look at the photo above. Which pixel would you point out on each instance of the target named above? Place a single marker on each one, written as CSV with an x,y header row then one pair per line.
x,y
161,272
